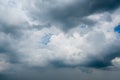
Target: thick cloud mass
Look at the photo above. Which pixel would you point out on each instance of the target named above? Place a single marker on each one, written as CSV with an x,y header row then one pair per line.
x,y
69,14
59,35
76,13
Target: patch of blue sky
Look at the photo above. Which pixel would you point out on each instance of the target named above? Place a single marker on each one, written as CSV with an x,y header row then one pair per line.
x,y
117,29
45,39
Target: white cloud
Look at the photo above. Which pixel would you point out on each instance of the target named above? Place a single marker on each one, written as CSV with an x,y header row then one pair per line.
x,y
70,49
116,62
12,12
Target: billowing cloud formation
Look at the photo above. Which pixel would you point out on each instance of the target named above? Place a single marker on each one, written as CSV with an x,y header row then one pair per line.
x,y
116,62
68,14
59,33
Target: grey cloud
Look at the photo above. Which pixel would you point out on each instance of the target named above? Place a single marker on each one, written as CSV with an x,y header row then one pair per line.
x,y
74,14
8,46
71,15
15,31
9,29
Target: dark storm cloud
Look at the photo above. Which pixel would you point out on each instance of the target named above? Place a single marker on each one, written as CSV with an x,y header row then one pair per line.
x,y
76,13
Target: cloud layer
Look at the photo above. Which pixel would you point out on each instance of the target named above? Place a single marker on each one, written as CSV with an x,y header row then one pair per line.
x,y
59,33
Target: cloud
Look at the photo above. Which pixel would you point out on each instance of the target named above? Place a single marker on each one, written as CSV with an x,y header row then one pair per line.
x,y
39,34
4,63
59,39
116,62
93,49
69,14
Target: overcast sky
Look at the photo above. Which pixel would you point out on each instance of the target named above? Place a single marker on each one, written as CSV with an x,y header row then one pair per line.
x,y
59,39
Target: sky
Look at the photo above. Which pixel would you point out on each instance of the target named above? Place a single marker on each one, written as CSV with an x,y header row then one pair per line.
x,y
59,39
